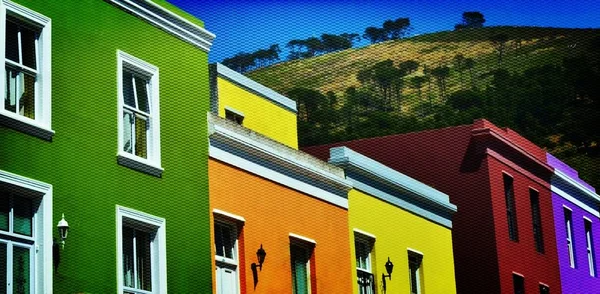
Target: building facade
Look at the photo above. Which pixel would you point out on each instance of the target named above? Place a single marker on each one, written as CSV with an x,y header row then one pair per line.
x,y
394,218
279,217
576,218
503,232
100,122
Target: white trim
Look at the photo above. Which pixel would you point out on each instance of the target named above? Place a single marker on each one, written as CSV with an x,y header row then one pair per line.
x,y
41,126
159,275
152,164
534,189
235,111
577,185
222,213
564,206
588,219
544,284
575,201
415,251
255,87
361,232
302,238
274,176
169,22
518,274
43,271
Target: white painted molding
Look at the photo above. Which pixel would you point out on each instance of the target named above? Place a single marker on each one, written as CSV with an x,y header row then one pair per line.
x,y
588,219
575,201
302,238
40,19
255,87
169,22
410,250
361,232
229,215
577,185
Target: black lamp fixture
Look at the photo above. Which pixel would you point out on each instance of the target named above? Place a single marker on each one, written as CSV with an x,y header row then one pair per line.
x,y
260,255
389,267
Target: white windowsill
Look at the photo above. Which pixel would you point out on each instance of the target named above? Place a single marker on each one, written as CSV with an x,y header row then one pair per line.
x,y
139,164
25,125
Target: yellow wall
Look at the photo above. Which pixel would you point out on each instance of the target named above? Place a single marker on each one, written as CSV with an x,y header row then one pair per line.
x,y
396,230
260,114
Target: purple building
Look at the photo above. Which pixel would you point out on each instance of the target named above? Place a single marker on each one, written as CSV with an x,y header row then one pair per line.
x,y
577,223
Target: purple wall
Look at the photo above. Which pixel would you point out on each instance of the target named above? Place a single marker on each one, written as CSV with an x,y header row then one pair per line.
x,y
575,280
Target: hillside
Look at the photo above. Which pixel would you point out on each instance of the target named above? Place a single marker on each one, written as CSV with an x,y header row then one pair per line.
x,y
545,85
337,71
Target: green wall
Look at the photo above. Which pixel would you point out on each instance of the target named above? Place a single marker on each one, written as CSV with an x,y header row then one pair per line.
x,y
81,162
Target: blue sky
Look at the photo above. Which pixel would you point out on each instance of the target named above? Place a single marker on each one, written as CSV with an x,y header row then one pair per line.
x,y
246,26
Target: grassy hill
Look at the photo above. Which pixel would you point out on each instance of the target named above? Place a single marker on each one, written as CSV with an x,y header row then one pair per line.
x,y
337,71
547,87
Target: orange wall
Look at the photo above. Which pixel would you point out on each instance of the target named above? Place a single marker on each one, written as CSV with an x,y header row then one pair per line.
x,y
272,211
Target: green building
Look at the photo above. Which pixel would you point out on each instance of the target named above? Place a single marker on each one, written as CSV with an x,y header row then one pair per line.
x,y
103,119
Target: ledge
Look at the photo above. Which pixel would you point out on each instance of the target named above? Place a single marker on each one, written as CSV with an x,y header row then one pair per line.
x,y
26,126
168,21
139,164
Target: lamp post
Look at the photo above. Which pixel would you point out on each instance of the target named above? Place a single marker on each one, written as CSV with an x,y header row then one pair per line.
x,y
389,267
261,254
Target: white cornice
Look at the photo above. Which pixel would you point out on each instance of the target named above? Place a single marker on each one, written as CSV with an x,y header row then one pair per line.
x,y
591,194
168,21
229,141
348,158
255,87
28,183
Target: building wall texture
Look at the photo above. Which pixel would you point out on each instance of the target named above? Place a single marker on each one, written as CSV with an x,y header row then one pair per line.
x,y
80,161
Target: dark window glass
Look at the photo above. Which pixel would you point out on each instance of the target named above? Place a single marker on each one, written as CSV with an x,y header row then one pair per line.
x,y
544,289
128,97
518,284
536,220
12,41
28,38
511,213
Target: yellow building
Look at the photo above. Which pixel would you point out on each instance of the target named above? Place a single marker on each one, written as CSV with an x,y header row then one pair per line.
x,y
253,105
395,218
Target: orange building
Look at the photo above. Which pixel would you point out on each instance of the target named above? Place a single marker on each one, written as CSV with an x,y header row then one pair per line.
x,y
280,216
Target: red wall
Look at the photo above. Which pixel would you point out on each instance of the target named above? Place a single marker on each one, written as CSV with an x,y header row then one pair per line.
x,y
451,161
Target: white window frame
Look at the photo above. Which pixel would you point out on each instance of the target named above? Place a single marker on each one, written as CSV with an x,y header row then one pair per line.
x,y
41,228
569,231
40,126
151,164
369,240
158,249
418,274
309,245
589,248
234,222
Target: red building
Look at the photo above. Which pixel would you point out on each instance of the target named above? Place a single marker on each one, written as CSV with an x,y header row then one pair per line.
x,y
503,232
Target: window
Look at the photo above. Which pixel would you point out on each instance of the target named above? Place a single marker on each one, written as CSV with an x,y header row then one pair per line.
x,y
302,262
25,241
589,240
570,241
141,261
26,78
226,256
536,220
544,289
518,284
234,115
139,134
414,271
511,213
363,246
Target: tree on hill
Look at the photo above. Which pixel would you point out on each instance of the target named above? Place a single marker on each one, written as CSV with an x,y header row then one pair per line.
x,y
469,64
387,79
396,29
351,37
471,19
499,42
375,35
417,83
408,67
459,65
441,75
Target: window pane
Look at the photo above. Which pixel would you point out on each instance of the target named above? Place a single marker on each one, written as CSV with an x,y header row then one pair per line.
x,y
21,264
3,270
127,132
144,268
22,216
299,269
141,147
128,97
224,241
142,94
10,89
27,100
28,47
128,278
4,210
12,41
